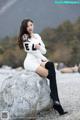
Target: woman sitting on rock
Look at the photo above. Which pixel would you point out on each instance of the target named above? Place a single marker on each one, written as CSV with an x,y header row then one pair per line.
x,y
36,61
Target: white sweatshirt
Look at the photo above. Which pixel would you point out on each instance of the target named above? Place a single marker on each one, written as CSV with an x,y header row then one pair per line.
x,y
31,50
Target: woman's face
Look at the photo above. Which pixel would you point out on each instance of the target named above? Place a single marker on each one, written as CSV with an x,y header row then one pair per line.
x,y
30,27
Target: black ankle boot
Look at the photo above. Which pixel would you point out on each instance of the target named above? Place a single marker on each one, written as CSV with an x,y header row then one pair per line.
x,y
57,106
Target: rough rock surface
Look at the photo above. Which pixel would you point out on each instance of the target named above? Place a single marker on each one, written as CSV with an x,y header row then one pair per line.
x,y
23,93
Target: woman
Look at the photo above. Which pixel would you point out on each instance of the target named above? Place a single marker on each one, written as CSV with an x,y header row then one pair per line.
x,y
36,61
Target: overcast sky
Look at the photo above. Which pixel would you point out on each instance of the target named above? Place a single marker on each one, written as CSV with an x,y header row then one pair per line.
x,y
43,12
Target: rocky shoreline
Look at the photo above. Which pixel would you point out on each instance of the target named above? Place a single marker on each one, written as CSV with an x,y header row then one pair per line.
x,y
68,89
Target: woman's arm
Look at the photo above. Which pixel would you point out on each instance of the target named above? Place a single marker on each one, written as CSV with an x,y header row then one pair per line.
x,y
29,47
42,45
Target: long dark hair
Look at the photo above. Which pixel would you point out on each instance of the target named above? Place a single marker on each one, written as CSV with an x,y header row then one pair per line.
x,y
23,31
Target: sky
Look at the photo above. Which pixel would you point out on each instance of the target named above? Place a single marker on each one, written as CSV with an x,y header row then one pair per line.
x,y
43,13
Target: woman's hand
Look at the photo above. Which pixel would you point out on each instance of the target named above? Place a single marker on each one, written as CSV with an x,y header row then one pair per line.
x,y
45,60
37,46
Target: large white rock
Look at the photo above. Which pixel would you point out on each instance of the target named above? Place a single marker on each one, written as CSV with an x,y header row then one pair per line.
x,y
23,93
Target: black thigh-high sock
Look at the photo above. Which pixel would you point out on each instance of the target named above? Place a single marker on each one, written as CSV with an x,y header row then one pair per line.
x,y
52,77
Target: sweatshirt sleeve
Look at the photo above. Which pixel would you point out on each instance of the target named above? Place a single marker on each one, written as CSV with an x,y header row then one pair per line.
x,y
28,45
42,45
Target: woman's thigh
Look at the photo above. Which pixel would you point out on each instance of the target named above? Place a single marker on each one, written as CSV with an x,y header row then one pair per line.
x,y
42,71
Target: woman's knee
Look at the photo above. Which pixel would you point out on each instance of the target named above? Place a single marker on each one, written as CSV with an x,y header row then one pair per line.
x,y
49,64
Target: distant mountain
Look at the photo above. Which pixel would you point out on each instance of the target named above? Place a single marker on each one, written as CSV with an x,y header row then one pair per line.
x,y
44,14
